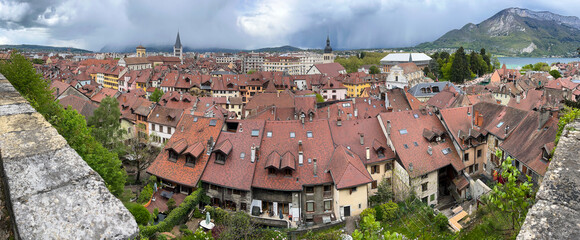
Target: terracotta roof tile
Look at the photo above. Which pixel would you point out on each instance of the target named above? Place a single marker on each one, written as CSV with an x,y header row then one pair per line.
x,y
195,130
347,169
237,171
406,129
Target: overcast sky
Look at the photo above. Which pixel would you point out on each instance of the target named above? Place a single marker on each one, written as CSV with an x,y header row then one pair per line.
x,y
248,24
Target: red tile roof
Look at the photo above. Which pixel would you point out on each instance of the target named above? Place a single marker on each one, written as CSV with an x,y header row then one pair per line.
x,y
525,143
195,130
496,118
406,129
347,169
237,172
330,69
460,123
319,147
165,116
349,135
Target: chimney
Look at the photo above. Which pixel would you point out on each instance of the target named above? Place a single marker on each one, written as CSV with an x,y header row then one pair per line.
x,y
355,112
518,99
362,139
253,157
277,93
181,128
543,118
300,153
368,153
338,122
507,129
315,167
57,91
328,112
388,127
410,167
430,150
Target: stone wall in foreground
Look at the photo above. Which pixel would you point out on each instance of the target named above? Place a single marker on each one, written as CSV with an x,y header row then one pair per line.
x,y
556,214
50,192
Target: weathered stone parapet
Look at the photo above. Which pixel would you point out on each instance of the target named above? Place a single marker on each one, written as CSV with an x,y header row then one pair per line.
x,y
556,214
51,192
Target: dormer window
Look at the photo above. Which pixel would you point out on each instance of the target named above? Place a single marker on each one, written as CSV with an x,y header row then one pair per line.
x,y
190,160
381,153
172,155
272,171
288,172
220,158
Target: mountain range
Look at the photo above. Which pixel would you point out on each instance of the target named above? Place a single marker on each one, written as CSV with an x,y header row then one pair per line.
x,y
516,32
42,48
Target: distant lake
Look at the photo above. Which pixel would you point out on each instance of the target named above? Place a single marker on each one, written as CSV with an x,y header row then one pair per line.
x,y
518,62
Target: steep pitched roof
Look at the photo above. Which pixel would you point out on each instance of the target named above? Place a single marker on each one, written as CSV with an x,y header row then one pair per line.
x,y
349,135
195,130
347,169
527,140
407,128
315,148
237,171
330,69
165,116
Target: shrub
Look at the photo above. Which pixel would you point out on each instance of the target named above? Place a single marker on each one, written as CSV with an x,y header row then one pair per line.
x,y
171,205
197,213
176,216
145,194
368,211
441,221
199,234
217,214
140,213
156,212
387,211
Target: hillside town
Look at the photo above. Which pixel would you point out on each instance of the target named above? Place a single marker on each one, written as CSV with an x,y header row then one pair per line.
x,y
296,141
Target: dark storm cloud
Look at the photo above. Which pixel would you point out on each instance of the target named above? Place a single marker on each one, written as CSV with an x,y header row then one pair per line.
x,y
25,14
247,24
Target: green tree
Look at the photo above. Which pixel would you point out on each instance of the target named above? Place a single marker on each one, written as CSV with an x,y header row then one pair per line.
x,y
556,74
446,67
106,126
239,226
459,67
541,66
511,197
251,71
319,98
374,70
140,213
156,95
72,126
199,234
171,204
141,154
37,61
495,63
384,193
485,58
370,229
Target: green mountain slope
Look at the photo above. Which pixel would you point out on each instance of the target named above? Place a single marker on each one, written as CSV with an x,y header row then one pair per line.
x,y
41,48
516,32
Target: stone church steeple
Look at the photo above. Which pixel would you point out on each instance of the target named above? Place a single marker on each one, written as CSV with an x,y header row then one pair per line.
x,y
178,48
328,56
